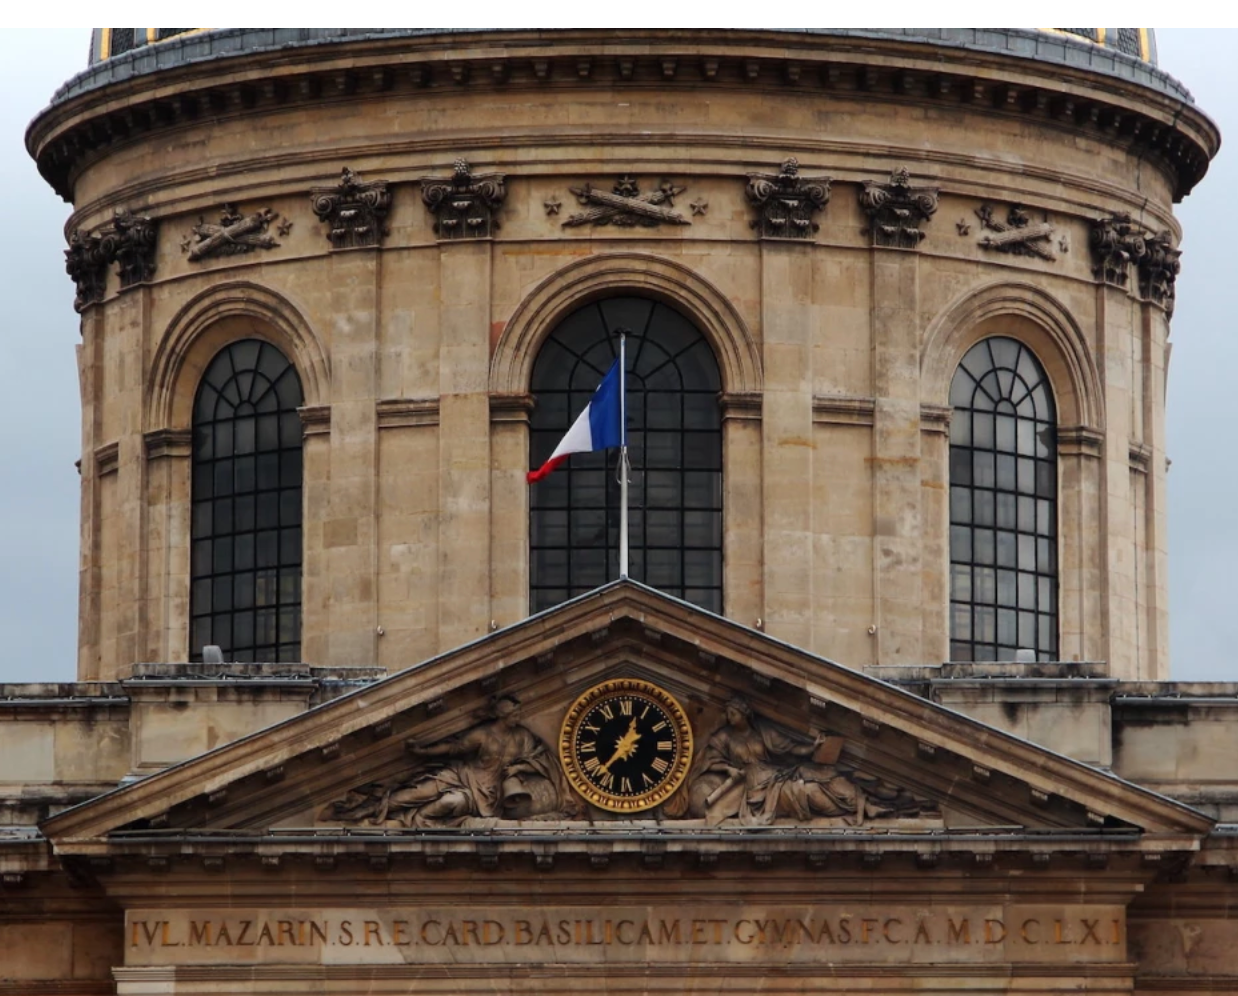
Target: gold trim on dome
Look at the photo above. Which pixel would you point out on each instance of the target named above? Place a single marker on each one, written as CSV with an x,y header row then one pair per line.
x,y
613,726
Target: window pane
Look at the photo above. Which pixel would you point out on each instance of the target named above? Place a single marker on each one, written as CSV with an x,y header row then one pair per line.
x,y
675,448
1003,484
242,454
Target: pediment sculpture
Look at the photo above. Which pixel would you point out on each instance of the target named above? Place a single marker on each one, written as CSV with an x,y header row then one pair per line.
x,y
755,772
496,769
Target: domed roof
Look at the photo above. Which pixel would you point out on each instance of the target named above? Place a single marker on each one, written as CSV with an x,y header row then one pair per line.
x,y
1139,43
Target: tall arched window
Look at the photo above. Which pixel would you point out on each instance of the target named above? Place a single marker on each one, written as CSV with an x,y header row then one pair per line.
x,y
246,557
675,447
1003,505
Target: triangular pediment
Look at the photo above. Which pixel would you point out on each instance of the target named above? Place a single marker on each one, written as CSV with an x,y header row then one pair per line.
x,y
781,738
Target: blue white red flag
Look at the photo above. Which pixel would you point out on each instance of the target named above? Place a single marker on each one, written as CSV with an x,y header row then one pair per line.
x,y
599,427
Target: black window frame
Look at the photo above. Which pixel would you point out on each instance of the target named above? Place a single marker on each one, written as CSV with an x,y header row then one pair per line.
x,y
246,547
1003,505
675,449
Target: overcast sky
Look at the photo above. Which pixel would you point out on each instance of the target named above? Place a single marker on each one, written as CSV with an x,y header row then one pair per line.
x,y
40,405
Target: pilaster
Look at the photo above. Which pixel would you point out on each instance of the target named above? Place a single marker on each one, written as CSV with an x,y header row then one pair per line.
x,y
743,560
1115,334
788,325
349,532
897,523
464,442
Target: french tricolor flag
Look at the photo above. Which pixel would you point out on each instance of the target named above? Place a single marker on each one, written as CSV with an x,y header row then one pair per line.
x,y
599,427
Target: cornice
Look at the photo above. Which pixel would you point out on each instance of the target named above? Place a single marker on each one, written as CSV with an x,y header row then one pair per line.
x,y
1168,131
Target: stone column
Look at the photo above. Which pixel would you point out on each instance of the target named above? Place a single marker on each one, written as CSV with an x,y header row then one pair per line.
x,y
315,513
787,326
743,560
464,443
1115,332
910,590
897,526
1080,545
349,531
509,507
168,524
125,356
1155,333
89,356
935,523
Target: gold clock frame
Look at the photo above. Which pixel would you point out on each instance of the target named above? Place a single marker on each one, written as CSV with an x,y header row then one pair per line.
x,y
614,689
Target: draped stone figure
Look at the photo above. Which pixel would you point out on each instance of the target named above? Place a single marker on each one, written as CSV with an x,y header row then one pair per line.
x,y
498,768
756,772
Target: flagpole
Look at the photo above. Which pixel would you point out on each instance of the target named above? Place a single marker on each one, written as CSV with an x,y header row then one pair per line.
x,y
623,455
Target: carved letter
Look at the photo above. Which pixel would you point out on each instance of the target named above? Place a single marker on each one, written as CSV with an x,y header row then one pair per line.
x,y
959,932
989,937
1023,932
200,933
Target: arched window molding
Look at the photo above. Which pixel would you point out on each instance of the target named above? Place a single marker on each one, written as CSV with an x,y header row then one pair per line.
x,y
1003,505
209,321
611,274
1041,322
246,551
675,427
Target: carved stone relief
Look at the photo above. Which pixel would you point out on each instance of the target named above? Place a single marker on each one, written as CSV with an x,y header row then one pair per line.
x,y
236,234
498,768
626,207
1158,271
85,261
897,211
787,202
129,241
1117,242
1017,235
755,771
464,205
133,247
355,212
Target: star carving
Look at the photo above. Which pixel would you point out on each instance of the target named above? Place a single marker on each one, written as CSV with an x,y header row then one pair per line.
x,y
284,227
552,206
699,206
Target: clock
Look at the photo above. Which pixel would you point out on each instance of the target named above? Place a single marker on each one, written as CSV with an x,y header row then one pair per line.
x,y
626,745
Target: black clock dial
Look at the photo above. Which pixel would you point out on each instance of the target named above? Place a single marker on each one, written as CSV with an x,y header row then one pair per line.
x,y
626,745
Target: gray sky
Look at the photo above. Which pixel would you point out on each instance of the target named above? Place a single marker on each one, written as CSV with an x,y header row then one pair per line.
x,y
40,406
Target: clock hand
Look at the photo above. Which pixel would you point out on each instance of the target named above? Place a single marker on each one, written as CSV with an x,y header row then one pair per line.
x,y
625,746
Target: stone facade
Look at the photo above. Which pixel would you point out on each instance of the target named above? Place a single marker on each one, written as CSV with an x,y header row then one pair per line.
x,y
836,349
407,216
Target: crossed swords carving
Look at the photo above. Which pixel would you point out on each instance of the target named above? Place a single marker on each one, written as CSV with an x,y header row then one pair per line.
x,y
627,206
1018,234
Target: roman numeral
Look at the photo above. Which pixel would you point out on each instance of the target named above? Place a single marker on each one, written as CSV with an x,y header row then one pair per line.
x,y
606,780
625,707
666,745
646,712
644,777
593,729
659,726
589,748
592,763
607,711
661,765
625,786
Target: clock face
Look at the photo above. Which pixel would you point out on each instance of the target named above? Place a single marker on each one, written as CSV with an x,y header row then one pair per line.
x,y
626,745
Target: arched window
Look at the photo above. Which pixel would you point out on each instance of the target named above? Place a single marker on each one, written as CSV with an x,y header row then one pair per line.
x,y
246,557
1003,505
674,444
